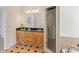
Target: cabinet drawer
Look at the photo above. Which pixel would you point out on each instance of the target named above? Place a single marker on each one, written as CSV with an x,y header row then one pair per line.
x,y
29,39
28,34
39,34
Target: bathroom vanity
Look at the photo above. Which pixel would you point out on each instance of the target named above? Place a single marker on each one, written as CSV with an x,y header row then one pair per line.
x,y
33,33
34,36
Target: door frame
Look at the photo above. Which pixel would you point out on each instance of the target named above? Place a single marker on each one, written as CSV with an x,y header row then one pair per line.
x,y
57,32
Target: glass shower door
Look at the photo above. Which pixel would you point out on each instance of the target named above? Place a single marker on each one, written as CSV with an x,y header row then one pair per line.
x,y
51,28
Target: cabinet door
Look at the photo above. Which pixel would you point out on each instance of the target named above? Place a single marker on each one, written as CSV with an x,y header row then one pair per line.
x,y
28,38
19,36
40,39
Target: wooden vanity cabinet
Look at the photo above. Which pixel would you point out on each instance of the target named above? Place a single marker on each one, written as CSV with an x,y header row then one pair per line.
x,y
28,38
39,38
19,36
33,38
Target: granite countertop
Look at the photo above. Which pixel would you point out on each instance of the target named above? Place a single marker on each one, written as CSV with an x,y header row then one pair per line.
x,y
31,29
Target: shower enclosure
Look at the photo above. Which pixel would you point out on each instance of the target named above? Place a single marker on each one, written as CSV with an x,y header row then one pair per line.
x,y
51,28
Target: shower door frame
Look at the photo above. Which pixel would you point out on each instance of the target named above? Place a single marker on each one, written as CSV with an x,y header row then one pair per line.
x,y
57,31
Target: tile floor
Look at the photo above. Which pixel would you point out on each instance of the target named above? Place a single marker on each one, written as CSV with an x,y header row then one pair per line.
x,y
20,48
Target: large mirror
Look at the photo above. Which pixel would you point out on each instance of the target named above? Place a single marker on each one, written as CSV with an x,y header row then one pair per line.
x,y
34,21
33,17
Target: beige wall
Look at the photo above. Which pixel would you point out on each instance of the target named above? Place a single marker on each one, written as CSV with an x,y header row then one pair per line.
x,y
12,17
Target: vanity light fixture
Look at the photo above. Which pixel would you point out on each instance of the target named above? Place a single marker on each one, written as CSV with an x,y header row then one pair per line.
x,y
32,10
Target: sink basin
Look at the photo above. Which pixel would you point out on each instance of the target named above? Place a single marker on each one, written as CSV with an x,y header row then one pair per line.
x,y
29,29
38,30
